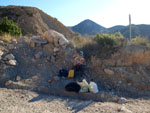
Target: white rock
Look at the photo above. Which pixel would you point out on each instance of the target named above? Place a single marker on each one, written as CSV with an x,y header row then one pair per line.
x,y
1,53
109,72
12,62
18,78
8,83
56,49
63,41
55,78
9,57
122,100
53,36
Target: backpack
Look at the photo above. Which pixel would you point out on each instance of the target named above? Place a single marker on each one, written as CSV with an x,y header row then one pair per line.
x,y
73,87
63,73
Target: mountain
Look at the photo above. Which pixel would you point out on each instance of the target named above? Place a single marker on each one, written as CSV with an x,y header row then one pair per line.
x,y
88,27
141,30
33,21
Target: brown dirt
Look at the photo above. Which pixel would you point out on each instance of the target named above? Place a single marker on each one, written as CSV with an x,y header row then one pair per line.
x,y
24,101
33,21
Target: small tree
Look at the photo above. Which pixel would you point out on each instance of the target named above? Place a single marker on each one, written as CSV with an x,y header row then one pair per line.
x,y
8,26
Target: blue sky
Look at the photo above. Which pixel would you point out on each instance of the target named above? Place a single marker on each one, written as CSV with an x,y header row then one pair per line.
x,y
104,12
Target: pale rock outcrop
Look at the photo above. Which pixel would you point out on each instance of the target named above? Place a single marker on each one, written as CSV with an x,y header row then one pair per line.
x,y
54,37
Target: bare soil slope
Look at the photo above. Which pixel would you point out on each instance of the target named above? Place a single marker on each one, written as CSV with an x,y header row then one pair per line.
x,y
33,21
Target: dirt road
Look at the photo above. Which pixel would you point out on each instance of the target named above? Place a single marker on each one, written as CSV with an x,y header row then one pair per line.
x,y
23,101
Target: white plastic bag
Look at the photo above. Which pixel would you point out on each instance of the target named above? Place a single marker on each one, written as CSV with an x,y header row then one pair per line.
x,y
84,86
93,87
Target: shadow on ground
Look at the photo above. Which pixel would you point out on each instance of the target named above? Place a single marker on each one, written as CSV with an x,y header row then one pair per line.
x,y
75,105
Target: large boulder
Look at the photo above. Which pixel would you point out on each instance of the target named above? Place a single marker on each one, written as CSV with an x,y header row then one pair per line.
x,y
54,37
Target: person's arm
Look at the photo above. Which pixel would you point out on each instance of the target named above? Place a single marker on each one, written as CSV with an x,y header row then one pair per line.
x,y
75,62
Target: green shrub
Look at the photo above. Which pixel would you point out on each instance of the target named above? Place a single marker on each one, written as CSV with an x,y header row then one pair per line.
x,y
102,45
139,41
105,41
119,39
17,15
8,26
29,13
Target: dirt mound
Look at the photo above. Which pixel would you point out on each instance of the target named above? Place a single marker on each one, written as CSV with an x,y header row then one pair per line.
x,y
33,21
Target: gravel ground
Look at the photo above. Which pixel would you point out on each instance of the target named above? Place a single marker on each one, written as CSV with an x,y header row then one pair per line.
x,y
24,101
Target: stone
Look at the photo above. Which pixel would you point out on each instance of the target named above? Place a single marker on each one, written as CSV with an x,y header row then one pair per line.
x,y
12,62
9,57
11,46
37,40
63,41
1,53
38,55
56,49
52,59
23,39
52,36
122,100
32,44
18,78
8,83
109,72
55,78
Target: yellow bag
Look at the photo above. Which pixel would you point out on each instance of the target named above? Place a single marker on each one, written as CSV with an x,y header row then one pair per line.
x,y
71,73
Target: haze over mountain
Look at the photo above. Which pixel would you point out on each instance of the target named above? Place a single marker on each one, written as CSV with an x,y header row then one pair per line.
x,y
33,21
88,27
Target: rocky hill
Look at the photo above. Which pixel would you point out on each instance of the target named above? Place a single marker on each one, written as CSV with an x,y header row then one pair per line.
x,y
34,63
88,27
33,21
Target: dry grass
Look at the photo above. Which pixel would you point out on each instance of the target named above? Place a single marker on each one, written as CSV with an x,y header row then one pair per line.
x,y
80,41
7,38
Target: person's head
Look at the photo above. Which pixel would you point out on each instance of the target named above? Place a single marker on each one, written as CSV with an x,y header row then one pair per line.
x,y
81,53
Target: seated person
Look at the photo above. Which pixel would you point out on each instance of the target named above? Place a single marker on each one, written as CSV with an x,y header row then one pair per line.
x,y
79,64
